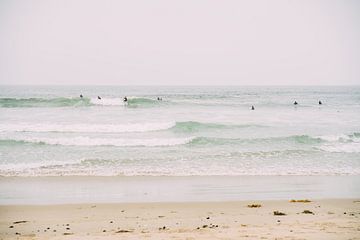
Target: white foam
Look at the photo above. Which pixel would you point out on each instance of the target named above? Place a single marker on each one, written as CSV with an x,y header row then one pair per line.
x,y
76,169
339,138
107,101
89,128
119,142
352,147
34,165
333,138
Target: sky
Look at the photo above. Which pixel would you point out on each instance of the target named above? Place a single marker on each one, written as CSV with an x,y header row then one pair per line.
x,y
185,42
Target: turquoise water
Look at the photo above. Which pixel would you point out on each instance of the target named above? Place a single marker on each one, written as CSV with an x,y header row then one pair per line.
x,y
199,131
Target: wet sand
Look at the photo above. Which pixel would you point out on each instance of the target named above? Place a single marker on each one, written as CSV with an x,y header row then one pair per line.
x,y
120,189
318,219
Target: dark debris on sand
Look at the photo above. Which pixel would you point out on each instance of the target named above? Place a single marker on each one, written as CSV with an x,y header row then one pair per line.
x,y
278,213
20,222
308,212
124,231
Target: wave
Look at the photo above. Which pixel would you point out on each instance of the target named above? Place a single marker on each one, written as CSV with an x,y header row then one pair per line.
x,y
352,147
192,126
87,141
88,128
132,102
74,102
354,137
107,101
190,141
176,167
43,102
301,139
189,126
14,142
127,142
329,143
341,143
140,101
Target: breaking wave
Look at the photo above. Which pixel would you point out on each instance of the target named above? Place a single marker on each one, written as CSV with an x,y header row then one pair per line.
x,y
75,102
87,141
301,139
89,128
189,126
43,102
316,142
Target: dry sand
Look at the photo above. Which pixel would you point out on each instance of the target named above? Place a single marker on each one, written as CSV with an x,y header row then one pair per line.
x,y
330,219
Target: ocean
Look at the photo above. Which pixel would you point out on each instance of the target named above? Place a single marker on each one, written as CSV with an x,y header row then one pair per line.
x,y
192,131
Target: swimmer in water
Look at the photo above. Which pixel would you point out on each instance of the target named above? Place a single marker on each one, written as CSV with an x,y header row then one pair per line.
x,y
320,102
99,97
81,96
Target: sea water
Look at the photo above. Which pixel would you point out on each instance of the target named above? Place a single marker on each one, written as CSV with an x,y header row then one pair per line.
x,y
192,131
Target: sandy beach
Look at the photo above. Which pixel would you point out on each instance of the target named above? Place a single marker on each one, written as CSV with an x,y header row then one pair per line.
x,y
318,219
180,207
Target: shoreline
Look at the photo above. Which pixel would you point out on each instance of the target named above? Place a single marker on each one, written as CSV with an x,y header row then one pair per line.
x,y
318,219
120,189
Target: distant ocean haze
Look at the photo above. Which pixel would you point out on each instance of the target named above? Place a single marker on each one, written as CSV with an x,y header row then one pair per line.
x,y
192,131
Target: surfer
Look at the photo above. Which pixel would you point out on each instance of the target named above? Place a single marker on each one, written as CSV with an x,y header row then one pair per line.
x,y
320,102
295,103
81,96
99,97
252,108
159,99
125,99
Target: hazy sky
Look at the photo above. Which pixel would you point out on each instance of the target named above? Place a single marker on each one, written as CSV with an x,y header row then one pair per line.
x,y
195,42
